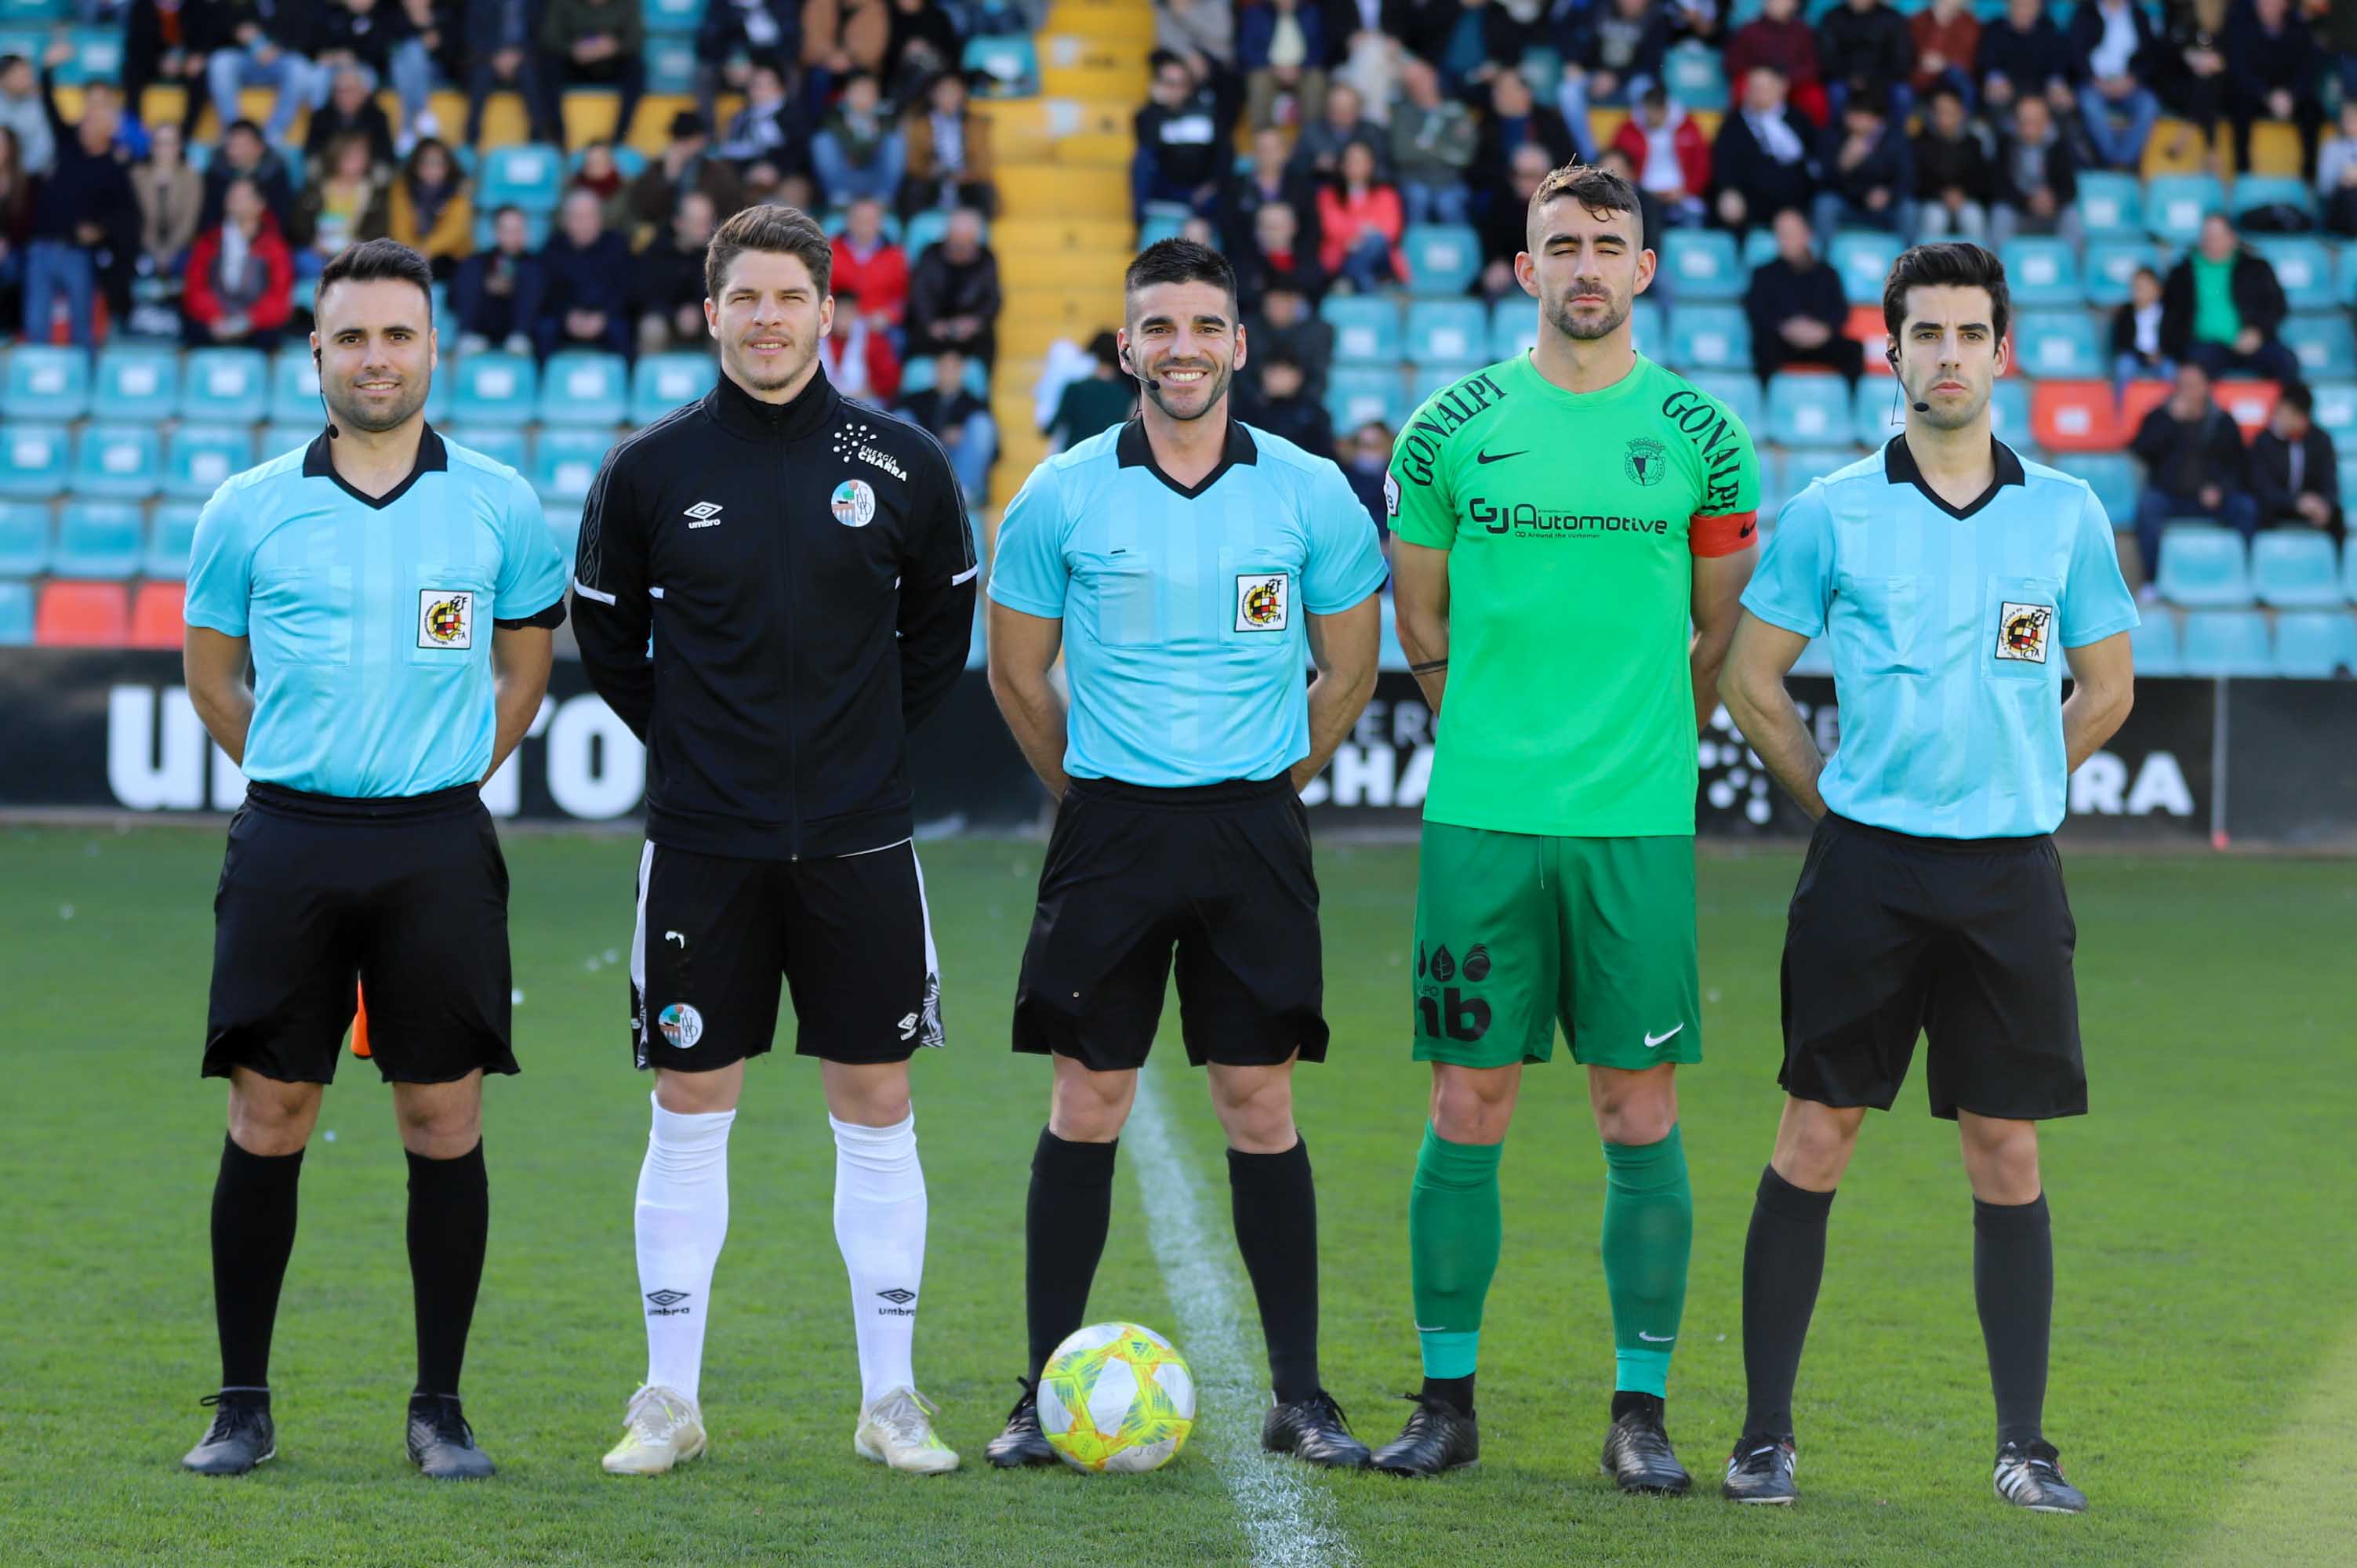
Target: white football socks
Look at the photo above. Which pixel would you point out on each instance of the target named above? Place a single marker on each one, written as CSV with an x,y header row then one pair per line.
x,y
682,1219
879,1224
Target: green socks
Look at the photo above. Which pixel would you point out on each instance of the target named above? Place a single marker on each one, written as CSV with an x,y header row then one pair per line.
x,y
1453,1231
1648,1233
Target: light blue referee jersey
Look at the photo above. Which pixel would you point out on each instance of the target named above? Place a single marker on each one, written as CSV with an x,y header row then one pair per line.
x,y
370,617
1183,608
1947,627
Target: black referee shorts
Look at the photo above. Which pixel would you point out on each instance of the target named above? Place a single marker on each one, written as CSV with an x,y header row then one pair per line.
x,y
849,934
407,897
1221,874
1968,941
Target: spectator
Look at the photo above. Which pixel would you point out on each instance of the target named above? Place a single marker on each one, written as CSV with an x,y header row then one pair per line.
x,y
953,296
2220,308
1870,171
1282,407
2271,60
2335,172
922,47
2192,80
345,204
1505,226
2195,467
949,153
601,177
375,38
2037,178
871,273
1651,221
17,225
1798,311
859,153
1432,143
1277,257
1619,55
1201,35
2114,50
1268,179
862,362
241,283
85,204
736,35
1284,323
1946,39
596,43
1778,39
351,109
1486,39
2295,473
670,293
2336,33
1953,177
498,293
1361,219
1098,401
1515,118
262,43
686,163
1867,42
1181,154
1760,160
171,197
2024,55
1281,46
2136,351
1366,462
960,421
770,132
1318,152
1670,157
167,41
428,209
840,36
244,155
23,109
503,56
588,269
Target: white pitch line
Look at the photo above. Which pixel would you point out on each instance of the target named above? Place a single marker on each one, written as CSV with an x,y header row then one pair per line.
x,y
1289,1523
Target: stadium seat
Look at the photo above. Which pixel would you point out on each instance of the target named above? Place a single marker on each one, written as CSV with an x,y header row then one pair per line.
x,y
1366,327
530,175
1863,257
83,615
1876,412
2111,475
577,388
565,463
202,456
673,16
2111,205
925,230
1694,77
2227,642
2074,416
662,381
2009,416
34,460
2323,341
102,539
2296,568
277,439
1759,248
97,56
496,389
2154,642
1709,337
1701,264
1357,393
2110,266
2058,343
2336,408
1649,332
1803,464
671,63
2346,290
2315,644
2253,191
156,616
1738,389
2348,551
2203,566
1513,328
1442,259
1446,331
1426,379
2138,398
230,386
137,383
2042,271
564,523
2251,404
15,615
122,462
45,383
918,376
295,388
2175,205
170,532
2302,265
1806,410
501,444
1006,65
24,539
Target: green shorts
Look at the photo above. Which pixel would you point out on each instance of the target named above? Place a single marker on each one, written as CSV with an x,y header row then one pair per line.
x,y
1516,932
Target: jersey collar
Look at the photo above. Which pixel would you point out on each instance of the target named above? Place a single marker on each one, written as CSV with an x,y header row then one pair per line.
x,y
1135,451
1899,467
741,414
433,457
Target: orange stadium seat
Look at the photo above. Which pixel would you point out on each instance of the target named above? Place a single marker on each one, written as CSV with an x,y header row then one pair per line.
x,y
2074,416
2251,404
2138,398
83,615
156,615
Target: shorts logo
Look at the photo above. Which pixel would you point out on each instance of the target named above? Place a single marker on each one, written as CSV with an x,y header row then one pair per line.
x,y
2021,631
1646,462
1261,602
1446,1011
1477,964
853,503
681,1025
446,617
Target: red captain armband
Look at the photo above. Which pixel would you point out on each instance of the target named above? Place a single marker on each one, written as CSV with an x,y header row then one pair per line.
x,y
1723,535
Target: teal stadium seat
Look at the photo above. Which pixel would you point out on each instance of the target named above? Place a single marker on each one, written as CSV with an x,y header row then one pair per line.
x,y
2348,551
97,56
1513,328
2009,416
662,381
228,386
673,16
1447,332
2303,265
1737,390
1007,65
2345,291
1695,76
926,229
278,437
1709,337
2042,271
565,465
1442,259
137,383
2111,475
2154,643
2323,341
2203,566
295,387
1357,393
1426,379
501,444
2253,191
564,523
2111,205
1806,410
2296,569
171,533
1863,257
1157,226
15,615
918,375
1701,264
2336,408
2228,642
34,460
671,63
2175,205
495,388
1875,413
2315,645
581,387
1649,332
119,462
99,539
13,13
2058,345
530,175
202,456
1803,464
24,539
2110,266
45,383
1366,328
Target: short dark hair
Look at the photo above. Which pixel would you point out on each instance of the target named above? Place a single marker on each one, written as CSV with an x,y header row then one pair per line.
x,y
2296,395
249,127
1953,264
782,231
1597,190
376,260
1181,260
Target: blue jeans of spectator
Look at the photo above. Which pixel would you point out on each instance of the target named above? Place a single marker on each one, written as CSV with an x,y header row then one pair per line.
x,y
1368,266
1902,101
413,79
2118,146
1571,102
296,82
845,182
55,266
1450,203
972,454
1832,213
2126,368
2155,507
2270,362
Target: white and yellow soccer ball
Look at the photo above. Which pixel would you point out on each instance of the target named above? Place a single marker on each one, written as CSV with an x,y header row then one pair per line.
x,y
1115,1396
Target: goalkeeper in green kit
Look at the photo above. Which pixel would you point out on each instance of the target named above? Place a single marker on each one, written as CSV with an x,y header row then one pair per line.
x,y
1557,520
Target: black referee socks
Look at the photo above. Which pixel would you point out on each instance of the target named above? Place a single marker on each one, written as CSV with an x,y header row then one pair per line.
x,y
253,1235
2013,1283
1783,1264
1064,1224
449,1220
1276,1205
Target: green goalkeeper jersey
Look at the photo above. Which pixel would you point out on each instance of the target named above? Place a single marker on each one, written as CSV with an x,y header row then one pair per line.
x,y
1571,521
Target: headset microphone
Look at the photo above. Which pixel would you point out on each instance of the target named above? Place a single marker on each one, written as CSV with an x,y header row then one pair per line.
x,y
1892,355
332,431
1129,363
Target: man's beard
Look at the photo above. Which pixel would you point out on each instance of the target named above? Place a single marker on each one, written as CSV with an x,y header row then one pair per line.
x,y
1217,382
791,364
1955,417
1602,326
353,417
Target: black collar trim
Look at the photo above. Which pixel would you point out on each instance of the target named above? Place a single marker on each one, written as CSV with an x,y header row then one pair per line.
x,y
1136,451
743,415
433,457
1899,467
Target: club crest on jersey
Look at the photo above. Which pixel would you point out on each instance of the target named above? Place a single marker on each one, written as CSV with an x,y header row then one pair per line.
x,y
682,1025
1646,462
2021,631
853,503
1262,603
446,617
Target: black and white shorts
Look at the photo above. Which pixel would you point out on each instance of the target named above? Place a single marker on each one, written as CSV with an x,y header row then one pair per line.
x,y
1967,942
849,935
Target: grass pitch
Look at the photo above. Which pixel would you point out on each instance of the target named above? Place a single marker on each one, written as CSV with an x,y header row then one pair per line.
x,y
2205,1348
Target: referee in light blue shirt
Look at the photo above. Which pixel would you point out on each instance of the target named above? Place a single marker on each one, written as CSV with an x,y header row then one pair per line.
x,y
394,593
1954,581
1190,568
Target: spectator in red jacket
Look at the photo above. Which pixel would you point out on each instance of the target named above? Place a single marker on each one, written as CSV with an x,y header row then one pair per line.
x,y
241,283
1781,40
1670,155
871,273
1947,39
1361,219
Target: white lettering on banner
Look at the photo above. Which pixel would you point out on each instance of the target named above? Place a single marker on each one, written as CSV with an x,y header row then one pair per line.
x,y
2160,785
596,766
1362,776
2096,788
144,776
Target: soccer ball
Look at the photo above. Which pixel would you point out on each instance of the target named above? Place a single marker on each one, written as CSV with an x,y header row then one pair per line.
x,y
1116,1397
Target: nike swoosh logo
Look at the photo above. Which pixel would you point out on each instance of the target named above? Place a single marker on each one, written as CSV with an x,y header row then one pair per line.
x,y
1656,1338
1652,1040
1420,1328
1496,457
1747,530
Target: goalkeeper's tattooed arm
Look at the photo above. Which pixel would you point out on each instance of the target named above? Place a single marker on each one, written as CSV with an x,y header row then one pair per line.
x,y
1752,686
1420,594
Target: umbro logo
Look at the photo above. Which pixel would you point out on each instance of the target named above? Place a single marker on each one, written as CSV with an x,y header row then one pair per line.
x,y
909,1026
666,1303
898,1297
1496,457
703,514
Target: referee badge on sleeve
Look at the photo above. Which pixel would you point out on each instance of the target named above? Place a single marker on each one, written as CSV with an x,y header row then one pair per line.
x,y
2021,631
1263,602
446,617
